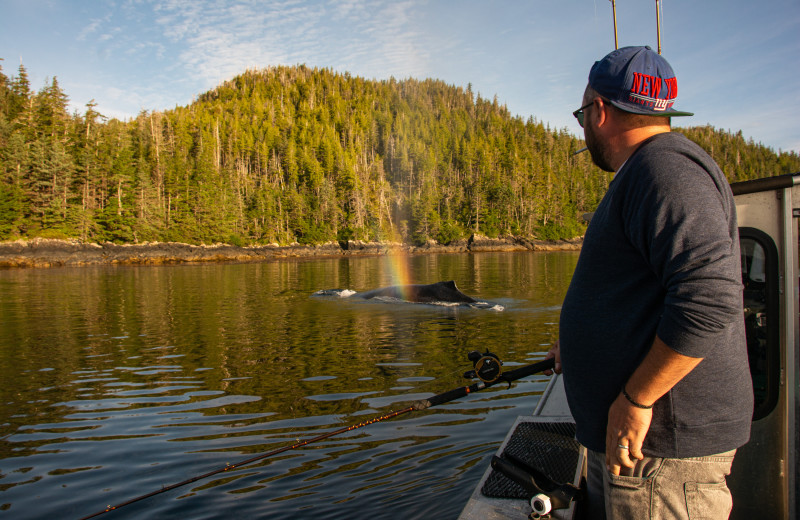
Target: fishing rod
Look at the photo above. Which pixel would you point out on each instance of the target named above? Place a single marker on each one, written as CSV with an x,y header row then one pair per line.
x,y
487,367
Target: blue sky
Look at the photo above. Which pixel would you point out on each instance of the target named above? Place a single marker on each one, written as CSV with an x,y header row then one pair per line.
x,y
737,61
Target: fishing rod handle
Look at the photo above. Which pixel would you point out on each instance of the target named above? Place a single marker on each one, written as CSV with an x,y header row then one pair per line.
x,y
446,397
541,366
556,498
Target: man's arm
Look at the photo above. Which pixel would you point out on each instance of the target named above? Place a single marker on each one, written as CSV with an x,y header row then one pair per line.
x,y
660,370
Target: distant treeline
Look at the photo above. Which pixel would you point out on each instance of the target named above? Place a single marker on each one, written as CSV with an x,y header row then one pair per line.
x,y
295,154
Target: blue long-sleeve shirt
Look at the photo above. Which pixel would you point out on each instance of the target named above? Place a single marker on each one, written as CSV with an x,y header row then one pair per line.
x,y
661,256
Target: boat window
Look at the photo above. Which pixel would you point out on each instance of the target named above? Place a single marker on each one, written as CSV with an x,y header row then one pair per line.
x,y
761,316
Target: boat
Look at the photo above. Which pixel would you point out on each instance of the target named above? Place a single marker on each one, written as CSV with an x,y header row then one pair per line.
x,y
764,478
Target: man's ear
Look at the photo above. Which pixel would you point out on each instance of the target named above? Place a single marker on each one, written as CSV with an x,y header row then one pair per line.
x,y
601,111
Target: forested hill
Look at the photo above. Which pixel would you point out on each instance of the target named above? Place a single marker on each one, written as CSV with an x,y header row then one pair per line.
x,y
295,154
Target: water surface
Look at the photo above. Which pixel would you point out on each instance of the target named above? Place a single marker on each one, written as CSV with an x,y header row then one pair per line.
x,y
118,381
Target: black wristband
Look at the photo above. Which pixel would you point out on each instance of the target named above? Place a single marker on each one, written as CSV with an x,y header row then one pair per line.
x,y
634,403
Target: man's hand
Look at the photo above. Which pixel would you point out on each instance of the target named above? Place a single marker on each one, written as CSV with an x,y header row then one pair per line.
x,y
627,426
659,371
554,352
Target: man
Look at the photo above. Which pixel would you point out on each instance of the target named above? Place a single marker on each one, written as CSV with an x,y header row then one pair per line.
x,y
652,341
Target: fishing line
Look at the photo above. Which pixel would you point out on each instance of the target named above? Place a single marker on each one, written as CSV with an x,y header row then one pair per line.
x,y
486,367
268,454
420,388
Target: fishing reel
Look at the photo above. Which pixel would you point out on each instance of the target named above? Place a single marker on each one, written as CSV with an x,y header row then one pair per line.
x,y
487,366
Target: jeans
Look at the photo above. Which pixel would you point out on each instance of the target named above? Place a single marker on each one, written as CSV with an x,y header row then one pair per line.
x,y
660,488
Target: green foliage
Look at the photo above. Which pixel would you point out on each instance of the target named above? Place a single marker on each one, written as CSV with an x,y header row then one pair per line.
x,y
115,225
568,228
235,240
294,154
308,233
738,158
344,234
10,211
449,232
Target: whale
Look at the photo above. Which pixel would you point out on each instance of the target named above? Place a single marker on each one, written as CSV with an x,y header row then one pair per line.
x,y
420,293
437,294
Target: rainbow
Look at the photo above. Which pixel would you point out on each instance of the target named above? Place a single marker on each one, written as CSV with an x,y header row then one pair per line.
x,y
400,271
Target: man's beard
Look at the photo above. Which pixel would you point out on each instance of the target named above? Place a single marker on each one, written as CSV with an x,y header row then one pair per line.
x,y
597,150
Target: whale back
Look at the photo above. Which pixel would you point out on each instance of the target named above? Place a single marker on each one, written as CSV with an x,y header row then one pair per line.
x,y
422,293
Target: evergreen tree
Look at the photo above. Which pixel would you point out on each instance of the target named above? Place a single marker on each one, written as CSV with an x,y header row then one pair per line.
x,y
299,154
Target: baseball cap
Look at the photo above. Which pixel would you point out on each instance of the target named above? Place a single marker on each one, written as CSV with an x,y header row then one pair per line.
x,y
637,80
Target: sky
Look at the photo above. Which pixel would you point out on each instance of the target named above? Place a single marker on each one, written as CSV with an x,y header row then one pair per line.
x,y
737,61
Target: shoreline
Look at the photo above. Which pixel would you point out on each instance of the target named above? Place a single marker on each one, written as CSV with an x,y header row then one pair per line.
x,y
40,252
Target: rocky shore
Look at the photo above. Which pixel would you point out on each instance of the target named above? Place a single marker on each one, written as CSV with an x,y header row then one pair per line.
x,y
56,253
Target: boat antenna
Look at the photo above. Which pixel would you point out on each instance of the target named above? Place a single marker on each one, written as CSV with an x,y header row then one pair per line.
x,y
614,11
658,24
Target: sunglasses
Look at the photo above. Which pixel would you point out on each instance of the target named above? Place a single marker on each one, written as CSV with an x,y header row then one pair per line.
x,y
579,113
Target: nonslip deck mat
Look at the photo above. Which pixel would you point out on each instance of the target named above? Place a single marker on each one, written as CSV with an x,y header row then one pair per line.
x,y
549,447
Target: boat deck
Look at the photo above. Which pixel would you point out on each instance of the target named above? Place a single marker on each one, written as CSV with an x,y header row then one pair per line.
x,y
547,437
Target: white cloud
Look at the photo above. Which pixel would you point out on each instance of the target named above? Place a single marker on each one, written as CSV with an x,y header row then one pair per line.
x,y
219,41
109,35
89,29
